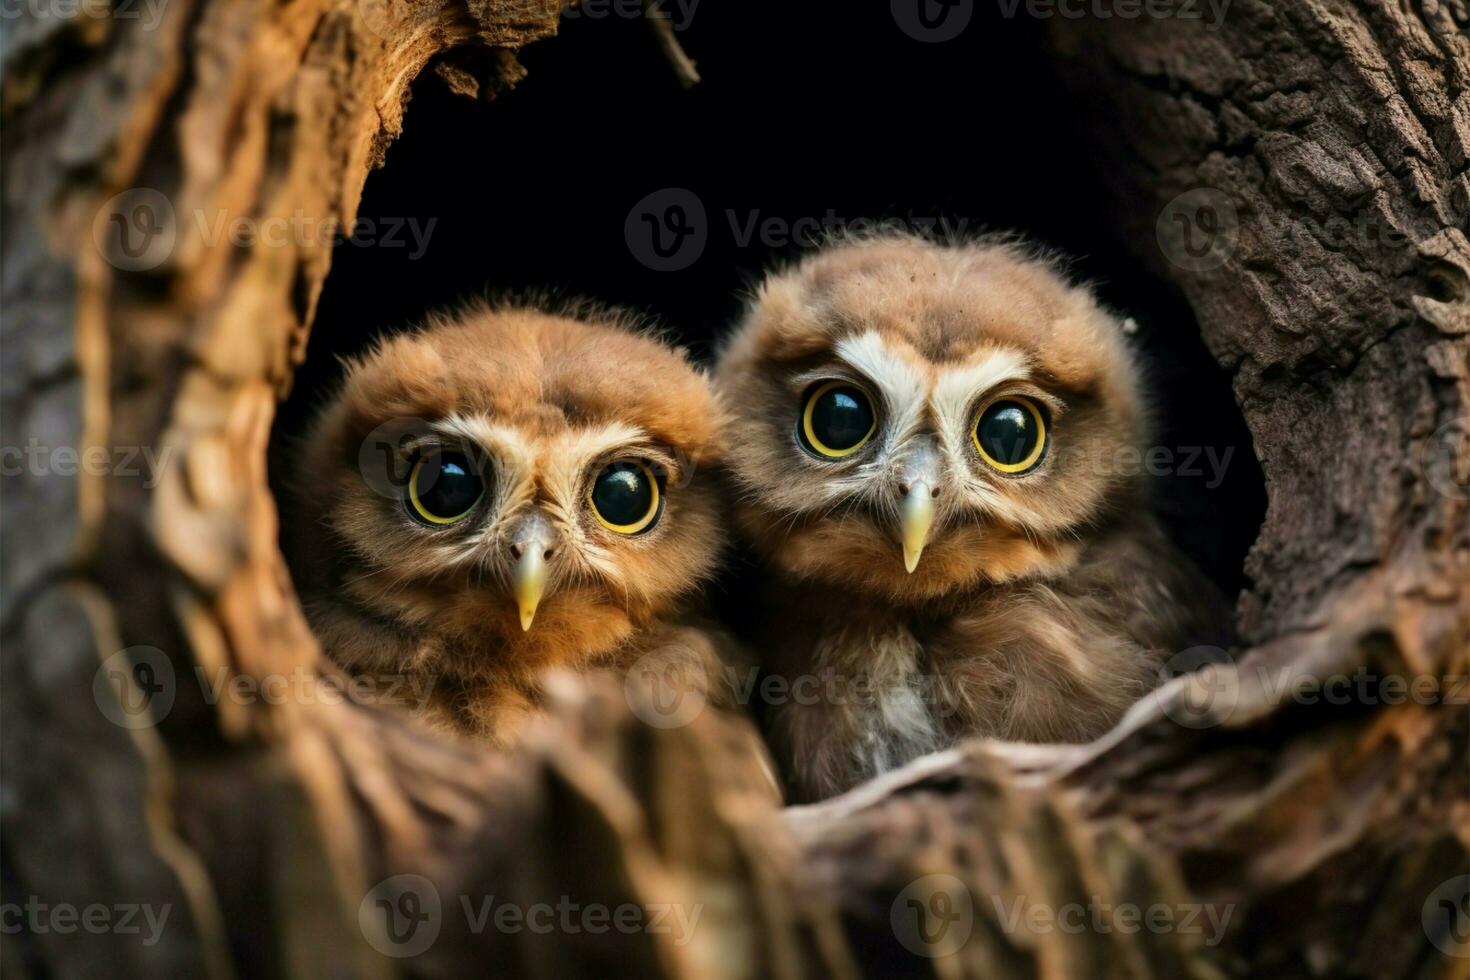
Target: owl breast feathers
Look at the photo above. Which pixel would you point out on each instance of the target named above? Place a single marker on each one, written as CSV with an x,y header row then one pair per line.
x,y
929,455
503,492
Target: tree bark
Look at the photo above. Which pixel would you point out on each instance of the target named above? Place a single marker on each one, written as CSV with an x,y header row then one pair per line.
x,y
1321,151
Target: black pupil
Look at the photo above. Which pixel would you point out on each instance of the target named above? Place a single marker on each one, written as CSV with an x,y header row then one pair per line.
x,y
1007,433
447,485
841,417
622,494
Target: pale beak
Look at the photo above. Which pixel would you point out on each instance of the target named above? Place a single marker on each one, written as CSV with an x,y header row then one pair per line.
x,y
528,579
918,515
920,474
531,542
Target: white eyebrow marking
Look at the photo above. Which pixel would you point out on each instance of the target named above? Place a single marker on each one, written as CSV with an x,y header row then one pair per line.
x,y
899,382
957,387
558,462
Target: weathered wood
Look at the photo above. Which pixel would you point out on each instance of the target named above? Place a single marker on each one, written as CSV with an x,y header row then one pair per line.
x,y
216,112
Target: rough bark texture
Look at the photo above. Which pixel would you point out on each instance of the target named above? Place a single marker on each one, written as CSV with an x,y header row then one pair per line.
x,y
1325,827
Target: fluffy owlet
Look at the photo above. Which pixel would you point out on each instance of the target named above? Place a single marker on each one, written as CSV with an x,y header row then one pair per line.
x,y
503,492
929,453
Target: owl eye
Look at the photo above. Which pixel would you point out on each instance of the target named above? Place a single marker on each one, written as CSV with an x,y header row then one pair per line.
x,y
837,419
443,488
626,497
1011,434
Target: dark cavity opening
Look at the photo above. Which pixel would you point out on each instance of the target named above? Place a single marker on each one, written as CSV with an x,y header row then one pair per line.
x,y
805,120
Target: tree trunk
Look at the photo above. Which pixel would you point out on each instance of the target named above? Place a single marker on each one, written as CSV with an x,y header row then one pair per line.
x,y
1300,174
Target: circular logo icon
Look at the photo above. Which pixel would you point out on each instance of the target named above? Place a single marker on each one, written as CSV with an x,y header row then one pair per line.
x,y
384,458
932,21
401,916
1198,230
933,916
1446,917
1444,460
667,230
136,230
378,17
1209,696
134,688
666,688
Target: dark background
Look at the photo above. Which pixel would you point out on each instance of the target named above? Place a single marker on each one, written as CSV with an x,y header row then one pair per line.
x,y
807,112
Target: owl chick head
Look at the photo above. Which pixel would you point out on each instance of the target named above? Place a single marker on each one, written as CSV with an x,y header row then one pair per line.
x,y
910,418
524,488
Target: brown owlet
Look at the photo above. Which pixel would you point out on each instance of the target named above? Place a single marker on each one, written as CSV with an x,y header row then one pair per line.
x,y
506,491
929,456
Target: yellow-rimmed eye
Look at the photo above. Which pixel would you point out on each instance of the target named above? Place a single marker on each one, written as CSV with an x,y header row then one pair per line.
x,y
837,419
1010,434
443,488
626,497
